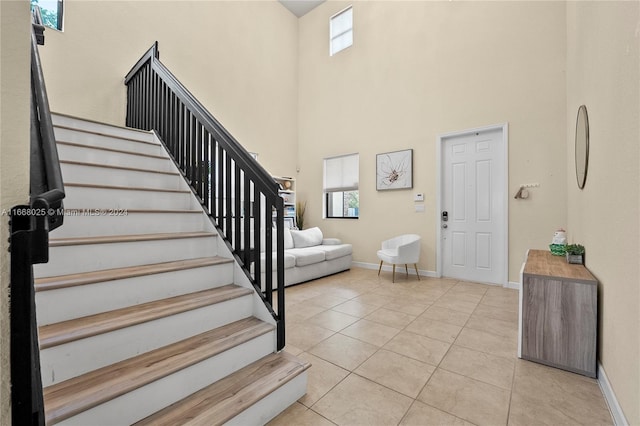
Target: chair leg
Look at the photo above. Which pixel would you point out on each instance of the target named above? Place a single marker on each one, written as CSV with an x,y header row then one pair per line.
x,y
393,276
415,265
406,270
380,268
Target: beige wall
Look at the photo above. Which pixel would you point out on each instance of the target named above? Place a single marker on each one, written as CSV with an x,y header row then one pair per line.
x,y
603,72
238,58
420,69
14,156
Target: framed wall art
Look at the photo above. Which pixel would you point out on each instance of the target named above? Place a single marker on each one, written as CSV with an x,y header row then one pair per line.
x,y
394,170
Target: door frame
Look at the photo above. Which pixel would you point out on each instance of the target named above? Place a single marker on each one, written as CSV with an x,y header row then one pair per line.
x,y
504,128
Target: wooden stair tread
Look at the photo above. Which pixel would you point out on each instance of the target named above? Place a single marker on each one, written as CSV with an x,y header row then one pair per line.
x,y
120,151
107,239
228,397
109,135
81,393
71,280
89,120
80,328
128,188
108,166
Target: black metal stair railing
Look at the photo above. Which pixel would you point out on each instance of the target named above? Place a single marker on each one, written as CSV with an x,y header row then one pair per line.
x,y
29,244
240,197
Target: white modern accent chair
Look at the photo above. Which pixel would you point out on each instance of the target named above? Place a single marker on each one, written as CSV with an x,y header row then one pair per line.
x,y
400,250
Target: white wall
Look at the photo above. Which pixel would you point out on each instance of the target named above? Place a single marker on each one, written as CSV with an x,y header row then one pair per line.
x,y
603,73
417,70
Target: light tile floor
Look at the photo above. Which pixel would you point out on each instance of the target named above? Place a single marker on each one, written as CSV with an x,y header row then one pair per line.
x,y
429,352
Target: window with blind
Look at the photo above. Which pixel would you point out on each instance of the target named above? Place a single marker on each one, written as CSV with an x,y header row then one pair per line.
x,y
340,181
341,31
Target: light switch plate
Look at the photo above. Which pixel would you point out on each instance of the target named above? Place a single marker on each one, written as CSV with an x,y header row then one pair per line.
x,y
419,208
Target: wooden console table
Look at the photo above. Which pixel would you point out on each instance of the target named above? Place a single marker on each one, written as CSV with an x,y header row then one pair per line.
x,y
558,319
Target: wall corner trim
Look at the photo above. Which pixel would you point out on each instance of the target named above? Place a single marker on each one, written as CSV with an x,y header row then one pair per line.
x,y
612,402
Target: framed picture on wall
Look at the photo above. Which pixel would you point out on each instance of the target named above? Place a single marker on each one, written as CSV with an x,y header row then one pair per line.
x,y
394,170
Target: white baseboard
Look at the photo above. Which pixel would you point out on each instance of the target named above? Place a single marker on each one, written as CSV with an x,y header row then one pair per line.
x,y
616,411
388,268
423,273
513,284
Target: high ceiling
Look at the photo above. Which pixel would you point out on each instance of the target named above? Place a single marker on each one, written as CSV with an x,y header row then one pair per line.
x,y
300,7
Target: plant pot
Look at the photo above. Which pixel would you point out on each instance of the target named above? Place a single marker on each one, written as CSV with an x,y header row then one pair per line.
x,y
575,259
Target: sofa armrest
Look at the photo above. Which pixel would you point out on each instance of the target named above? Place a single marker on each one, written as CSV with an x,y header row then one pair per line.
x,y
331,241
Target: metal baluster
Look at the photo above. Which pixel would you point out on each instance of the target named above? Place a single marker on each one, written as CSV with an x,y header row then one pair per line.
x,y
247,218
237,212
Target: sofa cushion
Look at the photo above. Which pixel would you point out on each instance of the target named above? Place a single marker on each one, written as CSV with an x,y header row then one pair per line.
x,y
288,239
289,261
306,256
307,238
335,251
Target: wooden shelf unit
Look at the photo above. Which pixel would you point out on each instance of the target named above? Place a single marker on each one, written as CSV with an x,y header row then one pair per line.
x,y
558,319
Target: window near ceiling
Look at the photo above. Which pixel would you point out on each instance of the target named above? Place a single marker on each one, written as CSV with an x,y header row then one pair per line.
x,y
51,11
340,182
341,31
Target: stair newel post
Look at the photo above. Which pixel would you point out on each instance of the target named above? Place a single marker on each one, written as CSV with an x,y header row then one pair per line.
x,y
27,405
206,171
198,161
153,99
228,212
191,139
143,99
268,251
220,187
280,271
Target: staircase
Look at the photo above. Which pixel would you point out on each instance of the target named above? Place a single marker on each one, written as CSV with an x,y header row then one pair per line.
x,y
143,314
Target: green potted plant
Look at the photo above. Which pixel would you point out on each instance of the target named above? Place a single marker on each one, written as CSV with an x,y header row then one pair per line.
x,y
575,254
301,207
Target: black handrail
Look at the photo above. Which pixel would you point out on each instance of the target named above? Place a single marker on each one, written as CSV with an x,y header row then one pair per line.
x,y
30,226
239,195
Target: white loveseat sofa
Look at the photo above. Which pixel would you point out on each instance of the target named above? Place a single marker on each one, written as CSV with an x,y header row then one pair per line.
x,y
308,255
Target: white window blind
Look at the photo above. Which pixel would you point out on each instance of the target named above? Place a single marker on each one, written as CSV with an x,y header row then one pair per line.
x,y
341,173
341,31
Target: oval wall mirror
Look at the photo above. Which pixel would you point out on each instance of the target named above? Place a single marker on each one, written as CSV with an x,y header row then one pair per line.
x,y
582,145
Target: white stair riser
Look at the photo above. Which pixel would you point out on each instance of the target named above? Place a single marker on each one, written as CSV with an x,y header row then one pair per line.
x,y
77,224
110,158
61,120
273,404
104,141
76,173
107,198
62,362
79,301
65,260
140,403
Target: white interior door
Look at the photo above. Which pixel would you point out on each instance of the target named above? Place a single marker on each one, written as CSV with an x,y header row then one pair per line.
x,y
473,195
